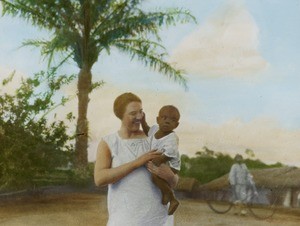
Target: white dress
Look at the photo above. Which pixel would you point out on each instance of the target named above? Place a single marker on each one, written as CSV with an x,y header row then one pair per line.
x,y
133,200
168,145
238,177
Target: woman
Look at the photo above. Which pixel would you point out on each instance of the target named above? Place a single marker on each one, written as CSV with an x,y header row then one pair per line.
x,y
133,200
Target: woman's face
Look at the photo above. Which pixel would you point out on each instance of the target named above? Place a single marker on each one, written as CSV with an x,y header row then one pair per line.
x,y
132,116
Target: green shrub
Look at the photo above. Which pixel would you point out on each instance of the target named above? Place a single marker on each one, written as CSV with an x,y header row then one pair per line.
x,y
30,145
82,177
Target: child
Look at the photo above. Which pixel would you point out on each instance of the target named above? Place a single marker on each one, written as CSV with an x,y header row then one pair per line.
x,y
252,194
162,138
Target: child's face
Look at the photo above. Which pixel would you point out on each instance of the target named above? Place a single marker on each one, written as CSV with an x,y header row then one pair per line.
x,y
167,119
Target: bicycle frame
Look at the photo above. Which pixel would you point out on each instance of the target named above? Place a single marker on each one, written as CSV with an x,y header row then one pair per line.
x,y
222,201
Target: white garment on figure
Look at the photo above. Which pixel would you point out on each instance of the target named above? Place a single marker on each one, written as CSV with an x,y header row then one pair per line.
x,y
238,177
252,194
133,200
168,145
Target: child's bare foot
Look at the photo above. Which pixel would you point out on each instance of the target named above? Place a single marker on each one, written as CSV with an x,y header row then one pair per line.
x,y
173,206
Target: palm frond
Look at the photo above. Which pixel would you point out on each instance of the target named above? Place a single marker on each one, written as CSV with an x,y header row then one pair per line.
x,y
82,29
107,15
27,10
146,53
43,13
50,48
138,23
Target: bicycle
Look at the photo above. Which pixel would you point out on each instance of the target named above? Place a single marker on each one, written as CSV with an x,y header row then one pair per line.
x,y
261,206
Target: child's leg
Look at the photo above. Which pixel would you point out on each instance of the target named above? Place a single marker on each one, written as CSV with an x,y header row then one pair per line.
x,y
161,183
163,186
167,193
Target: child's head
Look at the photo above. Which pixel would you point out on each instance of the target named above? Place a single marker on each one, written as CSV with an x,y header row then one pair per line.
x,y
168,118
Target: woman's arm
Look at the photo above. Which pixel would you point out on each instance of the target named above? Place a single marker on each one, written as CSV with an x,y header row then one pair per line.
x,y
165,172
104,174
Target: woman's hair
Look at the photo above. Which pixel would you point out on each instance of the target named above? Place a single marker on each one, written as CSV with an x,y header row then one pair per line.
x,y
122,101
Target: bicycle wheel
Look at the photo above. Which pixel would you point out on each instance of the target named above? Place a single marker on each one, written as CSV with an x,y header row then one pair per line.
x,y
219,201
263,205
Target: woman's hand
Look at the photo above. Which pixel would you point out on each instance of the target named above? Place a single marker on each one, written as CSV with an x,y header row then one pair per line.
x,y
105,174
164,172
143,159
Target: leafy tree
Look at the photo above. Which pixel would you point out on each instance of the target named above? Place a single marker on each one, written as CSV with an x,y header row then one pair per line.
x,y
84,29
185,165
208,165
249,153
30,145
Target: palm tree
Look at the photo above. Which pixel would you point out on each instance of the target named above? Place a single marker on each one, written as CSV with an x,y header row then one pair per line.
x,y
84,29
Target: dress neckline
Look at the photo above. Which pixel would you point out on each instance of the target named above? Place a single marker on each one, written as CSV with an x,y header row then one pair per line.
x,y
129,139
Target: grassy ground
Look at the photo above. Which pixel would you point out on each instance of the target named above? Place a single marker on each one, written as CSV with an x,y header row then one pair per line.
x,y
72,209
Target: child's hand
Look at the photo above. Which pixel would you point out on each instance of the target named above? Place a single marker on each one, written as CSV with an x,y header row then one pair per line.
x,y
144,124
143,120
145,158
157,161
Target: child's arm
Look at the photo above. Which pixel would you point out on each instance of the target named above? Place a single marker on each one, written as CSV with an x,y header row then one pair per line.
x,y
165,172
145,126
161,159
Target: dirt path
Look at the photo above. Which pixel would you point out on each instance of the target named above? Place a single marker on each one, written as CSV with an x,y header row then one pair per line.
x,y
194,213
90,209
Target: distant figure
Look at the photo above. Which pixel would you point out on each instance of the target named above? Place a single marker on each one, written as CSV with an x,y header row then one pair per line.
x,y
163,138
251,188
239,180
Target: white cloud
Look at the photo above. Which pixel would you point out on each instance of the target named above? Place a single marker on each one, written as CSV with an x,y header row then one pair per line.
x,y
226,44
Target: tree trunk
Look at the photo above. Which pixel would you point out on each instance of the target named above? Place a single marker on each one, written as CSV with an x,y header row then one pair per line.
x,y
81,145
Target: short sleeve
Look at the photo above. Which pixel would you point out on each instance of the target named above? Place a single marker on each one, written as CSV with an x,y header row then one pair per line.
x,y
153,130
112,142
170,149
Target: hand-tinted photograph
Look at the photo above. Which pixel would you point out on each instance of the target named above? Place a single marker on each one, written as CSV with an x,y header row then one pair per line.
x,y
149,113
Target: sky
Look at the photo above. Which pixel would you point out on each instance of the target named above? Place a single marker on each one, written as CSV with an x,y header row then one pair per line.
x,y
242,61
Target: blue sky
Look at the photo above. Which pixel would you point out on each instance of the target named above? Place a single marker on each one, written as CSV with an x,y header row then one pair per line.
x,y
242,60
